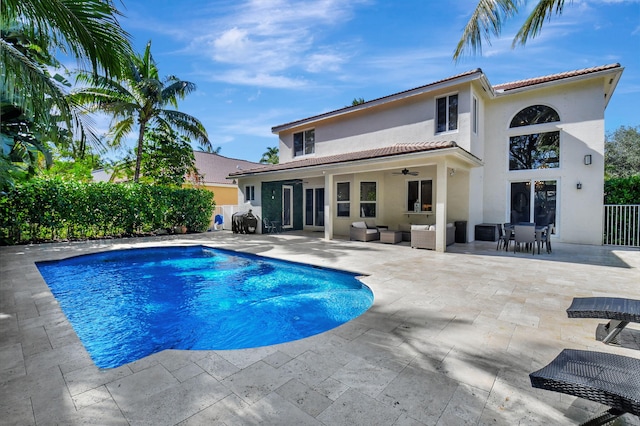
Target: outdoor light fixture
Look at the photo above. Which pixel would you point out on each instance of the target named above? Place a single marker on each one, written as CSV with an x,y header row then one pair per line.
x,y
587,159
579,185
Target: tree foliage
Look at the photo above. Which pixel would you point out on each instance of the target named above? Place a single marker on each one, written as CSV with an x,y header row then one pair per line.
x,y
33,29
622,152
167,158
270,156
489,16
140,99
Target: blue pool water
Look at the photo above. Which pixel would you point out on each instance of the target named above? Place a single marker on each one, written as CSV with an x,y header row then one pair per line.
x,y
127,304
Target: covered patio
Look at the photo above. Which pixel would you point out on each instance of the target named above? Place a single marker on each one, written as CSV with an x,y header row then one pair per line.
x,y
450,339
401,185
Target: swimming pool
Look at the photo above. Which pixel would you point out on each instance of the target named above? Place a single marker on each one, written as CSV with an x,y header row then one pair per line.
x,y
127,304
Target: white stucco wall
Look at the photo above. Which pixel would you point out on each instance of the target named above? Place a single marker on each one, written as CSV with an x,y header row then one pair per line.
x,y
581,109
408,121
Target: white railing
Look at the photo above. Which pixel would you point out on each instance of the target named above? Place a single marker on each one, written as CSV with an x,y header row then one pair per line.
x,y
622,225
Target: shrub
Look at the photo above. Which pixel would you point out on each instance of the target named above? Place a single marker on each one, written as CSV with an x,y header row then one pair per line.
x,y
52,209
624,190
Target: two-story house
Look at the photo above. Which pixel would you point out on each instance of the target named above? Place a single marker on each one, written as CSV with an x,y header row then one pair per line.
x,y
458,149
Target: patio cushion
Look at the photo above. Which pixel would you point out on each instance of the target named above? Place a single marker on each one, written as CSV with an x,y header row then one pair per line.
x,y
419,227
359,225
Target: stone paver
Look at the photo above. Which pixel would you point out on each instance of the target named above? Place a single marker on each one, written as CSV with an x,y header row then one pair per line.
x,y
450,340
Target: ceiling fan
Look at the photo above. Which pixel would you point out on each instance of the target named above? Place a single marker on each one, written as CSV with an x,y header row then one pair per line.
x,y
405,172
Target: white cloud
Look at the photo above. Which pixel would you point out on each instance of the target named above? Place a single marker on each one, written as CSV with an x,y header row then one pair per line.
x,y
266,39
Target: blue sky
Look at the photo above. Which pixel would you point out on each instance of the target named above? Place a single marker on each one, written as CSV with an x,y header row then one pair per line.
x,y
261,63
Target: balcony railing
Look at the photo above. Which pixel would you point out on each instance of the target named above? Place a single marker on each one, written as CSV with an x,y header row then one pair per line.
x,y
622,225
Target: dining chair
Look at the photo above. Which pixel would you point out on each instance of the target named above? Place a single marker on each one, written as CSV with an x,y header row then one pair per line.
x,y
524,234
504,236
545,238
268,227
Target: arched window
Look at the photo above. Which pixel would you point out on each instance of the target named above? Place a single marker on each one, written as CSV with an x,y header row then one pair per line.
x,y
535,114
540,150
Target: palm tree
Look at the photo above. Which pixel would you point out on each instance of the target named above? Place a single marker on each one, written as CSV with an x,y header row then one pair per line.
x,y
141,99
87,29
489,15
270,156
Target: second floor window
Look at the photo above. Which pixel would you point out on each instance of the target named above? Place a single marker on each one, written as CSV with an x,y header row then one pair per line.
x,y
447,113
304,142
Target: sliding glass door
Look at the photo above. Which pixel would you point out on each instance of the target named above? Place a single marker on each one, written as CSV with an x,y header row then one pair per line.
x,y
533,201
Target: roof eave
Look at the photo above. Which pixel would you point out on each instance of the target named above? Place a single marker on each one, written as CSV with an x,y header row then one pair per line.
x,y
617,71
471,76
456,151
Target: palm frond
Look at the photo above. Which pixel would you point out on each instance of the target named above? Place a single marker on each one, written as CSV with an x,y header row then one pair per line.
x,y
88,28
187,125
486,20
532,26
27,84
120,129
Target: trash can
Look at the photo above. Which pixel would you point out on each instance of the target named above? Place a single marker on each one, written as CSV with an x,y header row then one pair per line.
x,y
461,231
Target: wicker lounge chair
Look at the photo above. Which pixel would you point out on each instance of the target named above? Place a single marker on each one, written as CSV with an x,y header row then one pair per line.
x,y
362,231
612,380
619,311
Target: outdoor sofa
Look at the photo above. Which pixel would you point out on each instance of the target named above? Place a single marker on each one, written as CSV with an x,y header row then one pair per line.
x,y
424,236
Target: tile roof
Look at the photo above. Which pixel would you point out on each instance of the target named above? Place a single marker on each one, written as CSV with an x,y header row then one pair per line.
x,y
388,151
553,77
215,168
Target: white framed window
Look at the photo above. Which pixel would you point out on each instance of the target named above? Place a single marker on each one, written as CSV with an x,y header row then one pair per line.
x,y
474,115
343,199
304,143
249,193
420,195
447,113
368,199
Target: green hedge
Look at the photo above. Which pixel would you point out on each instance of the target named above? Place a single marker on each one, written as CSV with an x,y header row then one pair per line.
x,y
622,190
51,210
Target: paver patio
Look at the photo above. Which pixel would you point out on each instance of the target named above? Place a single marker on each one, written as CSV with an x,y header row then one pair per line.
x,y
450,340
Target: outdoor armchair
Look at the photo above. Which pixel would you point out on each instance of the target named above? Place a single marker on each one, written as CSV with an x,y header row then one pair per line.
x,y
361,231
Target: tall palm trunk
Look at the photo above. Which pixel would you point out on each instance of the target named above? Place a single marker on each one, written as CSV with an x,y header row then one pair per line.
x,y
143,127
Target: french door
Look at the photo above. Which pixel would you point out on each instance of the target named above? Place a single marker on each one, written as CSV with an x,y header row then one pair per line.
x,y
314,207
533,201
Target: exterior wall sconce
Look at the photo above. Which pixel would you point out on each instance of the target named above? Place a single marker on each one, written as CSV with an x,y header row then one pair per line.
x,y
452,172
273,194
579,185
587,160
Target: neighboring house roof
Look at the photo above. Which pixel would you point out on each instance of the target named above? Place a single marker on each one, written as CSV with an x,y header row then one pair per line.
x,y
215,168
476,74
384,152
100,175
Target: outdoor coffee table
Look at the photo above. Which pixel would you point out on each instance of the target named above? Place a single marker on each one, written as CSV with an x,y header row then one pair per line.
x,y
390,237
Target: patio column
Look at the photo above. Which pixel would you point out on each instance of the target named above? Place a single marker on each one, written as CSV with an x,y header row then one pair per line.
x,y
328,212
441,206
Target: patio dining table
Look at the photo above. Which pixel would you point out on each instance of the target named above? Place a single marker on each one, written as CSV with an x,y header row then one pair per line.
x,y
541,231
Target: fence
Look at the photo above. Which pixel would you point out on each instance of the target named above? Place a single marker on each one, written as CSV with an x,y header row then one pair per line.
x,y
622,225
